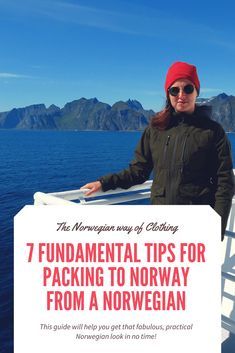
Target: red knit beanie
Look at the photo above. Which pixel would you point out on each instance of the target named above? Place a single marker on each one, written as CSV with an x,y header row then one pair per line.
x,y
180,70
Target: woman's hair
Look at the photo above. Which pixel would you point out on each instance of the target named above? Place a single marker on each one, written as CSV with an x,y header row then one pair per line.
x,y
161,119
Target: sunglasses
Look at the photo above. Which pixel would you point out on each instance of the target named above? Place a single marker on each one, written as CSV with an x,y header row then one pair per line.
x,y
174,91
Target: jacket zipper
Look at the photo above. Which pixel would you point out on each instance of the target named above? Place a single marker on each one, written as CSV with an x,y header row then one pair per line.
x,y
165,154
174,151
183,153
172,181
165,148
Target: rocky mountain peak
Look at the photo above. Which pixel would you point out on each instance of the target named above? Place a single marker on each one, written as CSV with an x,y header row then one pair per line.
x,y
134,104
91,114
222,96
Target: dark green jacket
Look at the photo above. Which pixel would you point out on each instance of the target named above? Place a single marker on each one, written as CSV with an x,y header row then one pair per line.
x,y
191,162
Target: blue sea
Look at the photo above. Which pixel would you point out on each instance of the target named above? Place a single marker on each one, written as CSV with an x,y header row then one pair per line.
x,y
49,161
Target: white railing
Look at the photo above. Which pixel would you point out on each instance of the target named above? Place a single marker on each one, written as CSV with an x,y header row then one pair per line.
x,y
142,191
137,192
228,274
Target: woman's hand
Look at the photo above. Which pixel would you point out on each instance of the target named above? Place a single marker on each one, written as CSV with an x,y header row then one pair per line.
x,y
94,186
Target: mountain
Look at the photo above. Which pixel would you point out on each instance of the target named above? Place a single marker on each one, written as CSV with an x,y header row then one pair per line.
x,y
223,110
129,115
81,114
91,114
35,116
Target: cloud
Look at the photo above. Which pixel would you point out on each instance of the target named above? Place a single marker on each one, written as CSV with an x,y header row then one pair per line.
x,y
13,75
133,20
140,20
92,17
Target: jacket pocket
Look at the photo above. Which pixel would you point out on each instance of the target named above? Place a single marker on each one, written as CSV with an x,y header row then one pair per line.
x,y
195,192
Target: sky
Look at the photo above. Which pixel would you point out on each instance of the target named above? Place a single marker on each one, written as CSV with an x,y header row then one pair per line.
x,y
56,51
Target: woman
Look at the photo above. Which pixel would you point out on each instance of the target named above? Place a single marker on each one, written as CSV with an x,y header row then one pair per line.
x,y
188,152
